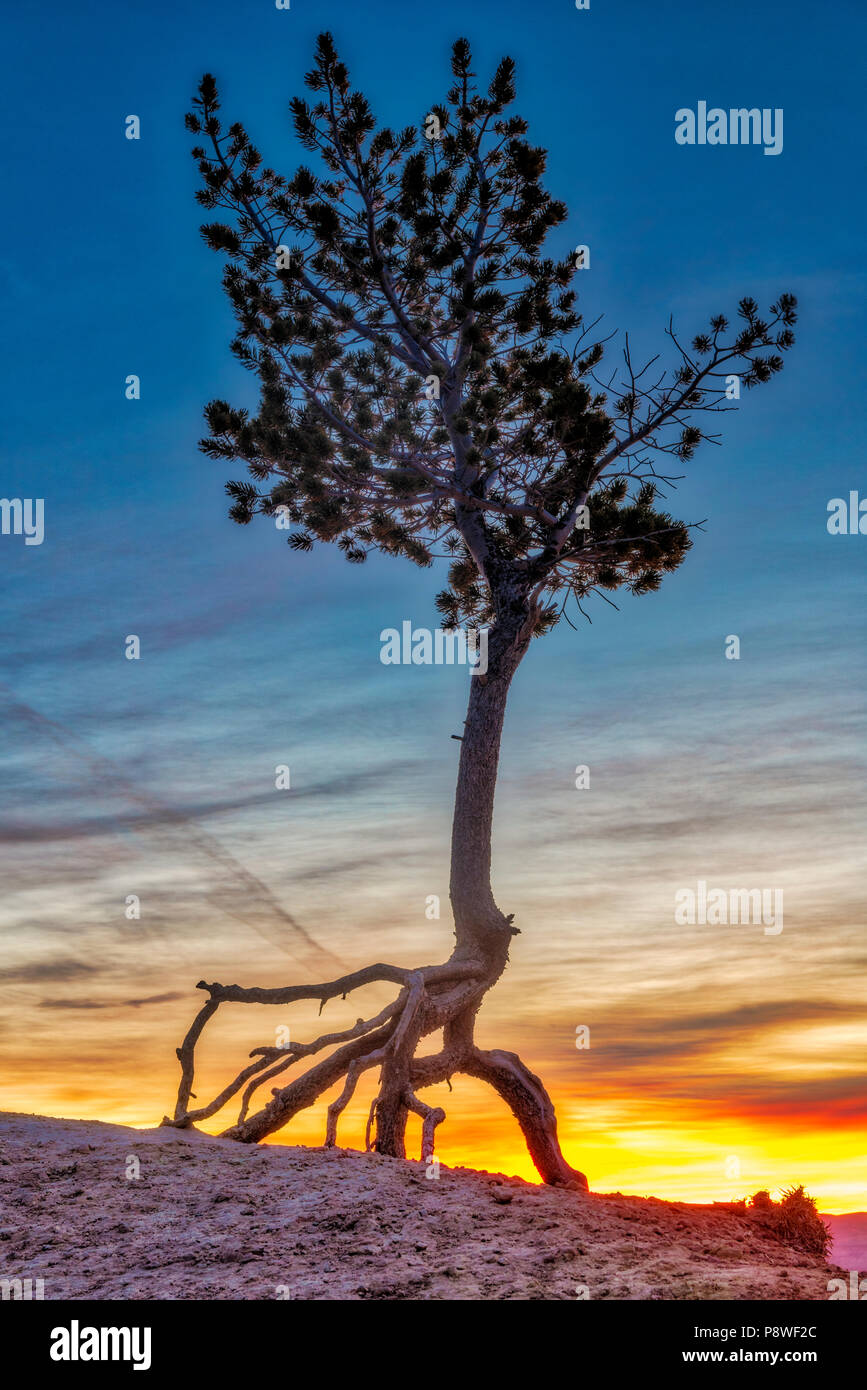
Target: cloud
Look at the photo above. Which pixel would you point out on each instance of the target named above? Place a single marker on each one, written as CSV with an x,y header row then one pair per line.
x,y
36,972
116,1004
156,816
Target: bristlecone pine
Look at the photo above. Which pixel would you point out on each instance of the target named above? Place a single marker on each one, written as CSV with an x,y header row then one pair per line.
x,y
428,389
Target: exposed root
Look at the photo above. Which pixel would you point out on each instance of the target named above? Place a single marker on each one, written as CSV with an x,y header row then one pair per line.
x,y
432,997
431,1117
296,1050
532,1107
371,1116
336,1108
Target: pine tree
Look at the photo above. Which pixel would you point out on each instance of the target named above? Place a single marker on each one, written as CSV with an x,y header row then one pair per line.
x,y
428,389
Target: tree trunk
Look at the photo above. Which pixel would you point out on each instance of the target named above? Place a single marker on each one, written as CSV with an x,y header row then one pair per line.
x,y
481,930
446,997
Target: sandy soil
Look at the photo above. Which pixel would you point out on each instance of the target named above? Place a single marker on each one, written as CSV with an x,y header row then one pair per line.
x,y
207,1219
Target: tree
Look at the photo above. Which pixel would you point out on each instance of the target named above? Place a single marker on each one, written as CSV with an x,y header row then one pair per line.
x,y
428,389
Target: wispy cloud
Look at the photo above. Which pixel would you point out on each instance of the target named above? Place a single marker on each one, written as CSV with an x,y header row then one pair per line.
x,y
85,1004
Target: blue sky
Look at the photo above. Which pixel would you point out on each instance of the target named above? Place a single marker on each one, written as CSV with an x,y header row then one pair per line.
x,y
156,777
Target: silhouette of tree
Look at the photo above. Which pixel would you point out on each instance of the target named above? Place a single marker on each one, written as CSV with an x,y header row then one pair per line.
x,y
428,389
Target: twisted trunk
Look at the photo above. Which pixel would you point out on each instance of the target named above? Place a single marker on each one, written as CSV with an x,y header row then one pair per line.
x,y
446,997
481,930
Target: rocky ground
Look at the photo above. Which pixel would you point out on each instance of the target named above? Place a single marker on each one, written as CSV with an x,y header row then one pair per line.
x,y
207,1219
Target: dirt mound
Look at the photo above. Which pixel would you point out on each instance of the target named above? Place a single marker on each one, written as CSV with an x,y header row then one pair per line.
x,y
105,1212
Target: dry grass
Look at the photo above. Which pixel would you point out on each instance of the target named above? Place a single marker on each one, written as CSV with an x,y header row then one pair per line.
x,y
794,1220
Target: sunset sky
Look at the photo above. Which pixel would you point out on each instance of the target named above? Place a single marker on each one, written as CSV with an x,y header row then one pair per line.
x,y
721,1059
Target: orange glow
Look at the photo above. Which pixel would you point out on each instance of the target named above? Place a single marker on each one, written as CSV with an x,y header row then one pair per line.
x,y
668,1151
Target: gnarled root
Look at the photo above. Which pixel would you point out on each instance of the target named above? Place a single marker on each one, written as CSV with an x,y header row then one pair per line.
x,y
432,997
532,1107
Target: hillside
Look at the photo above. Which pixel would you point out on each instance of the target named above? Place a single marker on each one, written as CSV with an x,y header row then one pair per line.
x,y
849,1230
207,1219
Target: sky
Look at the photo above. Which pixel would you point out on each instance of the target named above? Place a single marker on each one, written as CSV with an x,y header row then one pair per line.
x,y
722,1059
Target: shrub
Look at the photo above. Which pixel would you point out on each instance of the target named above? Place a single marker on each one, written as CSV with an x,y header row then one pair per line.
x,y
794,1220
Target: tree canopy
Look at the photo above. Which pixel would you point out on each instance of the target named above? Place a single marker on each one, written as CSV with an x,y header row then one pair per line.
x,y
428,386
